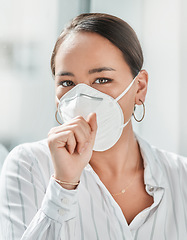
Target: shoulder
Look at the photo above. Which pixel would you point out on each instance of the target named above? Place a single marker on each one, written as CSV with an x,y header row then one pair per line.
x,y
174,173
174,164
162,157
166,167
170,160
30,150
33,156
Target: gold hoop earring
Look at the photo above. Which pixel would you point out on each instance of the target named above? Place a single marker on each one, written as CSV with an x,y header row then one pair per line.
x,y
139,120
57,118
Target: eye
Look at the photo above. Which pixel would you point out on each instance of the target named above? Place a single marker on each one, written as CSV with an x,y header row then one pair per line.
x,y
103,80
66,83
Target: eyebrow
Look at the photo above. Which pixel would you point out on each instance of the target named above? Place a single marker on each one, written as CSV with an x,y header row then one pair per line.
x,y
61,73
94,70
101,69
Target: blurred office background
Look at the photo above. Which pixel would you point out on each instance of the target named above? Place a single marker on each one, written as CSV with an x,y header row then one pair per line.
x,y
28,31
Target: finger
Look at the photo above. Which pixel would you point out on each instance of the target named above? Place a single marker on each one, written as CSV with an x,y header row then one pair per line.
x,y
82,135
52,131
76,122
71,143
66,139
92,121
62,140
81,123
81,139
78,141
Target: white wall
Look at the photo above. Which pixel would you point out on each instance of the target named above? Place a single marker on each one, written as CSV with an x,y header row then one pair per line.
x,y
183,79
28,33
29,30
130,11
161,37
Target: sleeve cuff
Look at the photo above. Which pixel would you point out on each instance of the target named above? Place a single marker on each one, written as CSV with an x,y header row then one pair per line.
x,y
60,204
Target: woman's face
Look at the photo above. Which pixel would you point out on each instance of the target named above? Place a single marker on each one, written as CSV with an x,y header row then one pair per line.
x,y
93,60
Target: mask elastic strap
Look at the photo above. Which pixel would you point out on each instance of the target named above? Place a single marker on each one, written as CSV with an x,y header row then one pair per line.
x,y
57,100
126,90
125,124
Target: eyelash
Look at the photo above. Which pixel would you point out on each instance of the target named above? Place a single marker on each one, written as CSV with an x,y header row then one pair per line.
x,y
69,82
66,81
108,80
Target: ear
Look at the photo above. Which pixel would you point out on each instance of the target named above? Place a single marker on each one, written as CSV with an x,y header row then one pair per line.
x,y
142,82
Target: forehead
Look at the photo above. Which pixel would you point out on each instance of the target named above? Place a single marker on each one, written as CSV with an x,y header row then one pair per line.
x,y
89,46
74,39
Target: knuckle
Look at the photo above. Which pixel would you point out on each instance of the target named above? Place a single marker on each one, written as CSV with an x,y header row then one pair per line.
x,y
51,131
76,125
79,117
50,141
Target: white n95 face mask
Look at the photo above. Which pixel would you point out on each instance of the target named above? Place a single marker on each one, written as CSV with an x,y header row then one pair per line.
x,y
82,100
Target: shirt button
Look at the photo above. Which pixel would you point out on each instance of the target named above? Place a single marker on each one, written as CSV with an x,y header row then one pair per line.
x,y
151,189
61,212
65,201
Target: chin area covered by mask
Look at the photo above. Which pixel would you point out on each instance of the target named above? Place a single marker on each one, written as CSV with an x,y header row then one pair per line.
x,y
82,100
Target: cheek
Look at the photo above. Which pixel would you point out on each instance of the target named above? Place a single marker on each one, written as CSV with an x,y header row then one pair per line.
x,y
56,102
112,90
60,91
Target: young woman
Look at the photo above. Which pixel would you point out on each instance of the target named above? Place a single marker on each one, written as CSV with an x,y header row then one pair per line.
x,y
93,178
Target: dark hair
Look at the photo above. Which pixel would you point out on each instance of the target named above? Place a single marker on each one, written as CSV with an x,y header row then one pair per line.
x,y
114,29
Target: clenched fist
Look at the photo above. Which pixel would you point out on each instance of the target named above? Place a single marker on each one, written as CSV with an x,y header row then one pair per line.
x,y
71,147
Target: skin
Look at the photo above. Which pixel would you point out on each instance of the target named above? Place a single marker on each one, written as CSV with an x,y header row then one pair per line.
x,y
91,59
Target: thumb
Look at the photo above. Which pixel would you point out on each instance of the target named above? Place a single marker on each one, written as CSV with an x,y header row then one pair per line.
x,y
92,121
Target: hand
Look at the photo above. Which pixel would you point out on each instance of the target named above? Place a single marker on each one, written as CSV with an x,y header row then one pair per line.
x,y
71,147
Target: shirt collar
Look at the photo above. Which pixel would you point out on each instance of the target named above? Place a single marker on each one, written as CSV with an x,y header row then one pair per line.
x,y
153,171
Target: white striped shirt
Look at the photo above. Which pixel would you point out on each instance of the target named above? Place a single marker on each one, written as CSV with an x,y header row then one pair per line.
x,y
33,206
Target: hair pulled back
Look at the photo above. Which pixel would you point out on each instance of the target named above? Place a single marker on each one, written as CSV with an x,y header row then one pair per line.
x,y
114,29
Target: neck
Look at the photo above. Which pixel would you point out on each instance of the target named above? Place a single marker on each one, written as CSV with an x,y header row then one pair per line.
x,y
120,159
